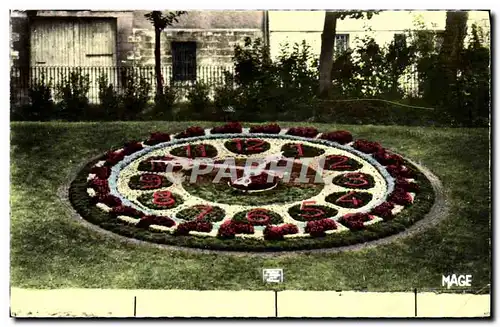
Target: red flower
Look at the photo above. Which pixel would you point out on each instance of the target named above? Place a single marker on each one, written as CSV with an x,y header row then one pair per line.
x,y
386,158
242,227
101,172
278,232
113,157
401,197
122,210
99,185
147,221
109,200
383,210
303,131
399,171
226,230
317,228
355,221
230,227
131,147
367,146
341,137
191,132
233,127
407,186
267,129
197,226
157,137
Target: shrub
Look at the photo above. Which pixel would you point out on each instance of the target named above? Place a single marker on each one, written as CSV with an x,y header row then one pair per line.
x,y
164,104
72,90
109,99
226,96
198,97
136,95
268,89
370,70
42,104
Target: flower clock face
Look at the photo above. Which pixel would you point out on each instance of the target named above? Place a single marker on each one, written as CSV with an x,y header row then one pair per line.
x,y
262,188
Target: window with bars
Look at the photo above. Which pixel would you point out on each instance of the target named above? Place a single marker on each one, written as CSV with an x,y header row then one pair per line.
x,y
184,61
341,42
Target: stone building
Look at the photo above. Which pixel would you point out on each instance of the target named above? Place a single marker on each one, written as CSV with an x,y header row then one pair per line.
x,y
97,38
199,46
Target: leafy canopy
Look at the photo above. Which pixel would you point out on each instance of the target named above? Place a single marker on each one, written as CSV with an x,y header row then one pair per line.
x,y
160,20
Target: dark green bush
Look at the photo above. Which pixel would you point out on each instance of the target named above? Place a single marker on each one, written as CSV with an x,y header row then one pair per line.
x,y
41,102
72,92
109,99
199,98
264,89
371,71
136,94
164,104
464,97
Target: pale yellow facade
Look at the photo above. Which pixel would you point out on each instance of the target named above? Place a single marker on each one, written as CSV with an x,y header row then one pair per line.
x,y
295,26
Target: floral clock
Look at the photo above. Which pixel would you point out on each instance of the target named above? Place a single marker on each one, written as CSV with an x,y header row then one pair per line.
x,y
261,188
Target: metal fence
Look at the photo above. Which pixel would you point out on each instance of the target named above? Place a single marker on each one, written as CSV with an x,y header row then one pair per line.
x,y
23,78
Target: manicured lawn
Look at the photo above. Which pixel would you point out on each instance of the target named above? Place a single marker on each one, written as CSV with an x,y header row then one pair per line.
x,y
49,249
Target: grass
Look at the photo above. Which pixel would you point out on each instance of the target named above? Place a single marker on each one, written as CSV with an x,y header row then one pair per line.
x,y
49,249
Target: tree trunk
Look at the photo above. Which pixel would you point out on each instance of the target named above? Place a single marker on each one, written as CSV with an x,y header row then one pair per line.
x,y
327,52
453,42
450,57
454,35
159,80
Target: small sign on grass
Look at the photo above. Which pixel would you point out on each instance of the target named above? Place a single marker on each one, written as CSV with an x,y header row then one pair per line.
x,y
272,275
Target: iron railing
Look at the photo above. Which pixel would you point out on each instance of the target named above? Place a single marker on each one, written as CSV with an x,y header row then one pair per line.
x,y
23,78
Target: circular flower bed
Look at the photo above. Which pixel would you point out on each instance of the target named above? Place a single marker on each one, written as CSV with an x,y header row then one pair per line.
x,y
262,188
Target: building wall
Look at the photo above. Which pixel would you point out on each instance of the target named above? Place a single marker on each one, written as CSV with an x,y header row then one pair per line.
x,y
215,33
295,26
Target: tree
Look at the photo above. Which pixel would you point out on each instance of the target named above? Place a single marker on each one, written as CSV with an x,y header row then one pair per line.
x,y
328,45
453,43
160,21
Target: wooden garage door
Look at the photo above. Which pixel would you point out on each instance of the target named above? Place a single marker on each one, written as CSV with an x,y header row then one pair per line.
x,y
79,42
62,46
